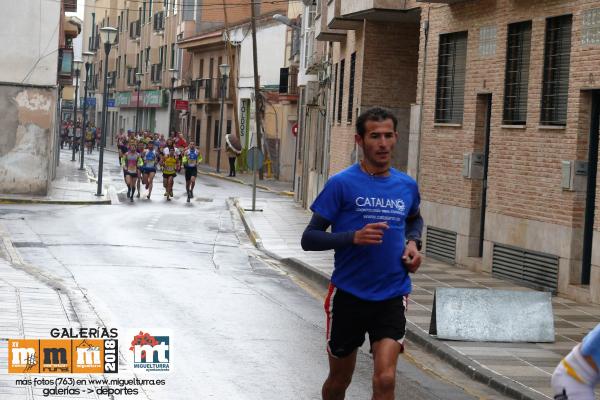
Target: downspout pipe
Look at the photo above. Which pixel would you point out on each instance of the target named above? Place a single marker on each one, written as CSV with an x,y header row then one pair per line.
x,y
423,75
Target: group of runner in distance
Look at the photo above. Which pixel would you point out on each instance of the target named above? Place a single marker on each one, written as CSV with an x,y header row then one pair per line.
x,y
143,154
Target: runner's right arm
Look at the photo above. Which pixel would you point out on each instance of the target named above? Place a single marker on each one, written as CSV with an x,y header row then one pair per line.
x,y
316,237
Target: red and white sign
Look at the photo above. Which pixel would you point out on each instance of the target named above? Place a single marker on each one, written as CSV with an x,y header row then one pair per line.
x,y
181,105
295,129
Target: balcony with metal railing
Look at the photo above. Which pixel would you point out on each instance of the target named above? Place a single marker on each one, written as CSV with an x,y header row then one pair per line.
x,y
70,5
111,79
158,22
382,10
323,32
93,42
335,19
134,29
131,77
207,90
440,1
65,66
156,73
288,82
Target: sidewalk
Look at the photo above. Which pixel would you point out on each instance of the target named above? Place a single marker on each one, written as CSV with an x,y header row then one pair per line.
x,y
247,178
519,370
29,308
71,186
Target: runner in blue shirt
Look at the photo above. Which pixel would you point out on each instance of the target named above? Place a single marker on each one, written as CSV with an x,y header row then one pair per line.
x,y
191,158
578,373
149,169
373,211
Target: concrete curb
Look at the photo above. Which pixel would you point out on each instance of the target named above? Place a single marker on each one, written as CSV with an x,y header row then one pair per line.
x,y
57,202
469,367
241,182
31,200
254,238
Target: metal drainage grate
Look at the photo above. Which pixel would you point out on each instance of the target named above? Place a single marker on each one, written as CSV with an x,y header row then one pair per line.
x,y
29,244
441,244
530,268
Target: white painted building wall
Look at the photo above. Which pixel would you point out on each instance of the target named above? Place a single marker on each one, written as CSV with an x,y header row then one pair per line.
x,y
303,77
29,37
28,95
271,42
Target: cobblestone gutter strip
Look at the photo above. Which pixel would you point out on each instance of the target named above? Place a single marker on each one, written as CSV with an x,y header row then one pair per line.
x,y
8,200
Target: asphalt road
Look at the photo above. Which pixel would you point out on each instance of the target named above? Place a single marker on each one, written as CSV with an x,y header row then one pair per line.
x,y
240,328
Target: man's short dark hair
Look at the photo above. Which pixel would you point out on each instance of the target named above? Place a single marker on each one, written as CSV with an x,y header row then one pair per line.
x,y
374,114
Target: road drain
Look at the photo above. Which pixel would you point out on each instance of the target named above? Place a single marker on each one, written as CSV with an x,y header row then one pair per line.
x,y
29,244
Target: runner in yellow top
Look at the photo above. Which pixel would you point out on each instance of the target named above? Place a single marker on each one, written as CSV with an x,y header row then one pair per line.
x,y
170,165
89,139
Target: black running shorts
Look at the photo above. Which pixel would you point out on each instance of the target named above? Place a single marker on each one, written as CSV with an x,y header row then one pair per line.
x,y
349,318
189,172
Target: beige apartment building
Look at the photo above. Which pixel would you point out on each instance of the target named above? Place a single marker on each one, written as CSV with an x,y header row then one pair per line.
x,y
207,53
146,70
208,49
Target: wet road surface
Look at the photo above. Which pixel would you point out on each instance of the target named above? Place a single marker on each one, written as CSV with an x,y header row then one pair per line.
x,y
240,328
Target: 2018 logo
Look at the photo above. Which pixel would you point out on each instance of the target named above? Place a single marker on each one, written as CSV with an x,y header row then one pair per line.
x,y
151,353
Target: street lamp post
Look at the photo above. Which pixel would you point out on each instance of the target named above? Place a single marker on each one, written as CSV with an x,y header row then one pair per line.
x,y
138,83
173,72
88,57
77,68
107,35
224,70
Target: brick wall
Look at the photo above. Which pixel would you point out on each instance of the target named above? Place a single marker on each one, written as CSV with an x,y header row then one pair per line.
x,y
342,133
524,164
385,75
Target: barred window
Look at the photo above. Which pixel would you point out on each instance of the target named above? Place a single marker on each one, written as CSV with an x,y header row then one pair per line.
x,y
351,86
557,58
341,91
518,50
216,135
335,78
451,78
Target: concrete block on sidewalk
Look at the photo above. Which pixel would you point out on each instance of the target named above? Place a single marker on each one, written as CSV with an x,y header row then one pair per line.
x,y
488,315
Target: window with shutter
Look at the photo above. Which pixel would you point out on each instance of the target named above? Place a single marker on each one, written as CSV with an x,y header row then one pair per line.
x,y
518,49
452,59
557,58
283,79
341,91
351,87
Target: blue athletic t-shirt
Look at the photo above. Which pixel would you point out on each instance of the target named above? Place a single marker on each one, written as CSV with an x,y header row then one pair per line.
x,y
352,199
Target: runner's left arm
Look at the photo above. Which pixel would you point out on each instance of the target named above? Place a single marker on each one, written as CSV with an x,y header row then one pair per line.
x,y
414,226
